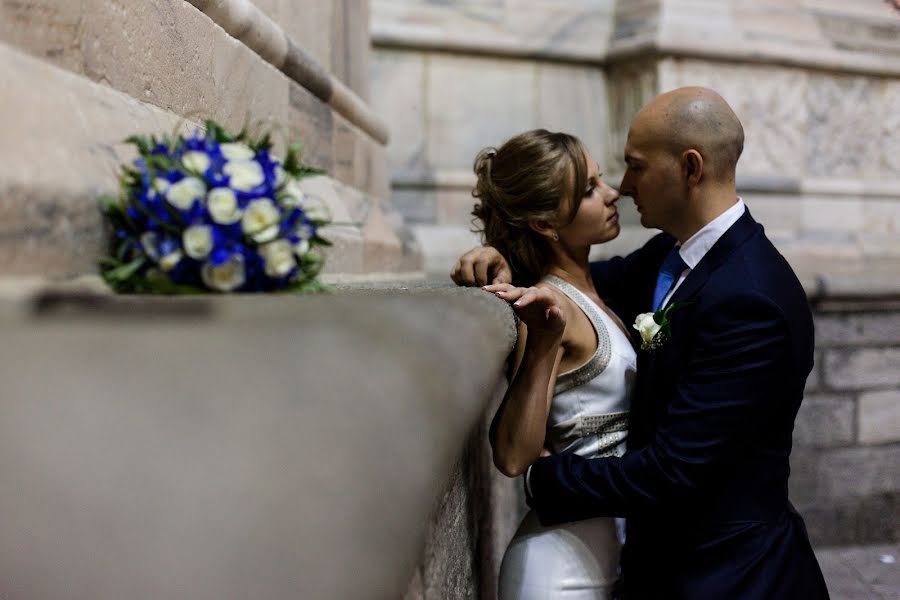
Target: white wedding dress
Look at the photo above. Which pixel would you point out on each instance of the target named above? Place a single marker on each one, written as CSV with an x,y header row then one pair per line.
x,y
588,416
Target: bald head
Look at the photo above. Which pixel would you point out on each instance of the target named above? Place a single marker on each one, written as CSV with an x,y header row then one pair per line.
x,y
695,118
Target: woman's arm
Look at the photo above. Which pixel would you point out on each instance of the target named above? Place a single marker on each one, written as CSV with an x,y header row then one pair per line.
x,y
519,426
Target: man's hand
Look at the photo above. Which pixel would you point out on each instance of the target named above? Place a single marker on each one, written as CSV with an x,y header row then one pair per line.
x,y
480,266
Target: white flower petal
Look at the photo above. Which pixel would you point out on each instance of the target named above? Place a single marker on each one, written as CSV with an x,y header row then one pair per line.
x,y
244,175
223,206
279,258
237,151
182,194
225,277
196,161
260,215
197,241
301,248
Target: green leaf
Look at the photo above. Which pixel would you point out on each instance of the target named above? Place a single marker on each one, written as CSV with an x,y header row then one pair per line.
x,y
143,143
125,271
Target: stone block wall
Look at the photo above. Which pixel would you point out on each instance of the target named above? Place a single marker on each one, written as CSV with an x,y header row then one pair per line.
x,y
82,76
846,459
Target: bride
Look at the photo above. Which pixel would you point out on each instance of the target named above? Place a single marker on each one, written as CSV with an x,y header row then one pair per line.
x,y
542,204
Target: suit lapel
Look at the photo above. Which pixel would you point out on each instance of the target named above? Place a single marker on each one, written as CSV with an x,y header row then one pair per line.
x,y
654,376
736,235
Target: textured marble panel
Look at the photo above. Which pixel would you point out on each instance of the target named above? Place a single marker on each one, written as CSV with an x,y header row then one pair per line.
x,y
770,101
473,103
576,28
890,128
398,96
573,99
832,214
629,87
845,113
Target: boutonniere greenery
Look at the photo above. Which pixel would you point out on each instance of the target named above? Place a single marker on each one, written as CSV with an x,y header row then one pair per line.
x,y
655,327
213,212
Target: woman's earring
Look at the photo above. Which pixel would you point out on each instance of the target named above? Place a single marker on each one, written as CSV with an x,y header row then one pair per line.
x,y
555,237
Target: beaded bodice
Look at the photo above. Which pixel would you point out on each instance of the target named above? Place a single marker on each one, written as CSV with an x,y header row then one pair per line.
x,y
589,411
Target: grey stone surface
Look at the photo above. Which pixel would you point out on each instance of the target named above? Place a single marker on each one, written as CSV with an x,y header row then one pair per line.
x,y
858,472
861,572
825,420
861,368
879,417
474,103
873,329
165,456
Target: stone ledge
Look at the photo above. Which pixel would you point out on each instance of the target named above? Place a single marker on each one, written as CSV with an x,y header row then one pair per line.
x,y
245,450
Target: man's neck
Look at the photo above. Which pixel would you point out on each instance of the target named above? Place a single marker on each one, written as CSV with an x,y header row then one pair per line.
x,y
703,211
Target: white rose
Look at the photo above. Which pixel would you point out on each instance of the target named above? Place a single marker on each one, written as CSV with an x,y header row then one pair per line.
x,y
170,260
261,220
223,206
237,151
647,327
196,161
181,195
244,175
301,248
279,258
225,277
197,241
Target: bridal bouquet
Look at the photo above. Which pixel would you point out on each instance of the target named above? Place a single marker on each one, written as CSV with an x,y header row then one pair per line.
x,y
212,212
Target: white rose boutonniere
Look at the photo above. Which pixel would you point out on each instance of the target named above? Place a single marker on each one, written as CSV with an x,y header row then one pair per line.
x,y
655,327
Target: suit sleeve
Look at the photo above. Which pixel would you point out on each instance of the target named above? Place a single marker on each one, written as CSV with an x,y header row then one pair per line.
x,y
724,393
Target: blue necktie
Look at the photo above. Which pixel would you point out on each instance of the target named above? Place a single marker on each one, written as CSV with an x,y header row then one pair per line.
x,y
671,268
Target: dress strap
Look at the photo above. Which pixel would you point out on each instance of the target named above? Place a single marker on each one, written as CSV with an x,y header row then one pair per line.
x,y
600,359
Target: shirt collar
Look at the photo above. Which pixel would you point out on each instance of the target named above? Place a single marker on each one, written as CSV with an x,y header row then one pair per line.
x,y
693,250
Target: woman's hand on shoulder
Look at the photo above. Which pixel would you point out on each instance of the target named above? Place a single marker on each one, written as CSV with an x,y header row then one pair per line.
x,y
539,308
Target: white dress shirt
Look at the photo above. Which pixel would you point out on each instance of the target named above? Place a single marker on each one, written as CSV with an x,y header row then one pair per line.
x,y
692,251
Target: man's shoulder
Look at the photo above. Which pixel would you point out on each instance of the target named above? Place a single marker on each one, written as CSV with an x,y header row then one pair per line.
x,y
755,270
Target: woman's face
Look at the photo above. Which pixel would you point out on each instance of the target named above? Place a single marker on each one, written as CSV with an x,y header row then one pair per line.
x,y
597,218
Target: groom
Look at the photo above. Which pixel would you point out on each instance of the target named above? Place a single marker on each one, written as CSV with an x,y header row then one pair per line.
x,y
704,484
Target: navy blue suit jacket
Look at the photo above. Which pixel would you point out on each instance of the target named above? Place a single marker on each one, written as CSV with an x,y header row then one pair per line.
x,y
704,483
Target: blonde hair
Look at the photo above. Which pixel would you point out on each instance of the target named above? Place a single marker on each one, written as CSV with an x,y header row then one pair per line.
x,y
528,178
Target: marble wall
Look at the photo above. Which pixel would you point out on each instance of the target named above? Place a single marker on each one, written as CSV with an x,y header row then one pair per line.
x,y
815,84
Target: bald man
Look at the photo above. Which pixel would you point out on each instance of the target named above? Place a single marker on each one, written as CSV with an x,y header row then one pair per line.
x,y
703,485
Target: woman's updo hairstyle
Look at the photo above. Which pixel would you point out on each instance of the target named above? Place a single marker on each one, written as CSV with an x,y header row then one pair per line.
x,y
528,178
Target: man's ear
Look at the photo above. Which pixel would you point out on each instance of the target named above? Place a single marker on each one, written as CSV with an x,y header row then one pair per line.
x,y
692,166
542,227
